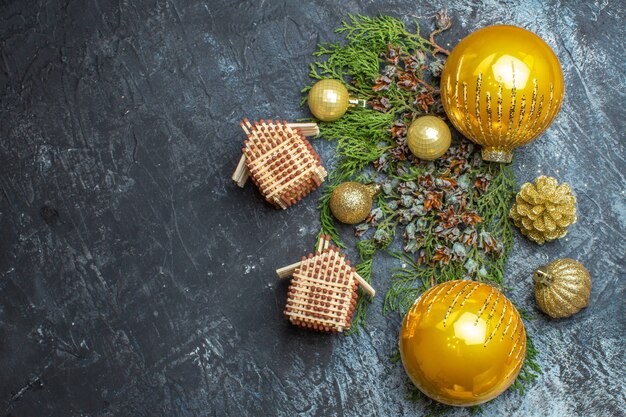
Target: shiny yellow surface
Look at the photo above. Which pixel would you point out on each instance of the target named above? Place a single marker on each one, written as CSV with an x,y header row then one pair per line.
x,y
428,137
501,87
328,100
462,343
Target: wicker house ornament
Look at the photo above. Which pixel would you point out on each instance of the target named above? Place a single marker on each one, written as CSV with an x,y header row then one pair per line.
x,y
323,292
280,161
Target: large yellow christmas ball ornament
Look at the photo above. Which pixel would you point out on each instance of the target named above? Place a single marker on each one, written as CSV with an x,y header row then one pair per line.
x,y
501,87
428,137
328,100
462,343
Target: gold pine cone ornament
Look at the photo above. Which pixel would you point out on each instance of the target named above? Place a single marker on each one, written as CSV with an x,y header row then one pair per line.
x,y
562,288
543,210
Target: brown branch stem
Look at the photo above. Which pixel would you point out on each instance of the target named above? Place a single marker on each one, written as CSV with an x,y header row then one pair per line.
x,y
436,45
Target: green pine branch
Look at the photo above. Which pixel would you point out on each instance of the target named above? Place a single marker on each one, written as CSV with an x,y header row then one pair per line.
x,y
364,144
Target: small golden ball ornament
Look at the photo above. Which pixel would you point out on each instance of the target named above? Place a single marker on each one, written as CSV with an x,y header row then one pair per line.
x,y
501,87
562,288
351,202
543,210
328,100
462,343
428,137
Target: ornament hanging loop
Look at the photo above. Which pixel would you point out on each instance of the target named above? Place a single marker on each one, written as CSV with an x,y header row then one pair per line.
x,y
497,155
374,189
357,102
542,276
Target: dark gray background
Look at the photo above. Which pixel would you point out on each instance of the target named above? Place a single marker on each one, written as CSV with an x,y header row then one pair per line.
x,y
153,293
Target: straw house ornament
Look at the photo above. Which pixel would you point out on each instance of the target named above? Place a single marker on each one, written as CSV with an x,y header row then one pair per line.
x,y
280,161
323,292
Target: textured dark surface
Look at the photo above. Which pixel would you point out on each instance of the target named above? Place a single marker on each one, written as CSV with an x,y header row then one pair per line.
x,y
150,291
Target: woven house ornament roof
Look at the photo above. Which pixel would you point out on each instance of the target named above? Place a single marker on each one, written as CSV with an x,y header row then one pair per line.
x,y
280,161
323,292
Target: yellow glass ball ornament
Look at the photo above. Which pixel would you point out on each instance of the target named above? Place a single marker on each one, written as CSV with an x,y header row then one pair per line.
x,y
501,87
462,343
329,100
428,137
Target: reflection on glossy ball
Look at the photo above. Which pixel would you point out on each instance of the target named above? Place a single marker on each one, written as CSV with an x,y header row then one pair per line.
x,y
328,100
501,87
462,343
428,137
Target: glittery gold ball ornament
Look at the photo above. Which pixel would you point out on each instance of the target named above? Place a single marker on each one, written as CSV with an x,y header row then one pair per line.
x,y
562,287
501,87
351,202
544,209
428,137
328,100
462,343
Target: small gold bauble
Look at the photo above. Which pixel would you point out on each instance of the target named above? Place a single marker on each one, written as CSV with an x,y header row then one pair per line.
x,y
351,202
562,288
462,343
501,87
544,209
328,100
428,137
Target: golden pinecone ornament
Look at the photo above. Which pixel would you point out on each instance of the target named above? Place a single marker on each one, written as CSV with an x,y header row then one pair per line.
x,y
562,288
544,209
